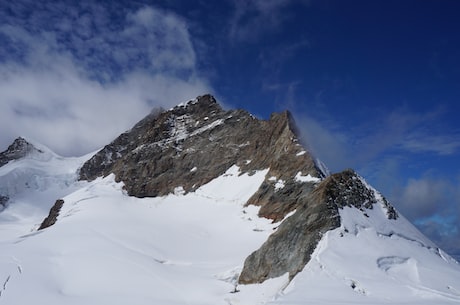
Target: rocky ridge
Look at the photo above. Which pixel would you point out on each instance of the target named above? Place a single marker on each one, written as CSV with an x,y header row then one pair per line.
x,y
194,143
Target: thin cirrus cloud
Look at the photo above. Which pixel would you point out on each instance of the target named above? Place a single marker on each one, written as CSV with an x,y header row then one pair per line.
x,y
439,144
250,19
87,67
398,132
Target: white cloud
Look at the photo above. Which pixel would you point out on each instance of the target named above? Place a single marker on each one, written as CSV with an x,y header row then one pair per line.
x,y
164,36
438,144
85,79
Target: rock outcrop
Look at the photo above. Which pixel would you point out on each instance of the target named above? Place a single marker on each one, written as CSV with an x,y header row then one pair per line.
x,y
52,216
289,249
196,142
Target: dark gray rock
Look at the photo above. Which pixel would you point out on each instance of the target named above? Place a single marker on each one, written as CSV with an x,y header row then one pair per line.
x,y
17,150
349,190
289,249
194,143
52,216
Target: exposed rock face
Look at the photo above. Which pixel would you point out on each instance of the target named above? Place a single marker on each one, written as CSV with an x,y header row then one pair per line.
x,y
194,143
289,249
17,150
349,190
52,216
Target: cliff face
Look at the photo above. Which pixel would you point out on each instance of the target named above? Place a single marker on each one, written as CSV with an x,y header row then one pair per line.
x,y
194,143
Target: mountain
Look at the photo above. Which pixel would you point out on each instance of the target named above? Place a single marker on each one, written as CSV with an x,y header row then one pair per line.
x,y
201,205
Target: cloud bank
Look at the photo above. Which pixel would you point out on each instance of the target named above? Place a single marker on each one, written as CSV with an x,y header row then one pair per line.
x,y
75,76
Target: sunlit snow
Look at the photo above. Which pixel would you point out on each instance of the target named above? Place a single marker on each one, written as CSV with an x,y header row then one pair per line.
x,y
189,248
307,178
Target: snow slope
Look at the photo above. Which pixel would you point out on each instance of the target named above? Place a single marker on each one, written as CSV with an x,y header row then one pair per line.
x,y
373,260
33,184
109,248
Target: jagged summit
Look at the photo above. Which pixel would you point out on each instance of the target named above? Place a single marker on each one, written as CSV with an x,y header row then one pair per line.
x,y
196,142
193,143
181,149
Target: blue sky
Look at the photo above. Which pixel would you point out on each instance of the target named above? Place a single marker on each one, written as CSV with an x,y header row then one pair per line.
x,y
373,85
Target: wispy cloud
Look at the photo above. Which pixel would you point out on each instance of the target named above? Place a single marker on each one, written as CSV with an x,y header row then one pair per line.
x,y
253,18
75,76
399,132
438,144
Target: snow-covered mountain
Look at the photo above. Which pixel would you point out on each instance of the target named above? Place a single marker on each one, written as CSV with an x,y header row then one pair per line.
x,y
198,205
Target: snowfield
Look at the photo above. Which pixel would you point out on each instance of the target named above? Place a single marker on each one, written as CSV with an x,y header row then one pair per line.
x,y
109,248
370,260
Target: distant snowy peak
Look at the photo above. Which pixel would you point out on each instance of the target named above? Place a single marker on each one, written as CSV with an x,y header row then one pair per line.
x,y
17,150
25,148
28,167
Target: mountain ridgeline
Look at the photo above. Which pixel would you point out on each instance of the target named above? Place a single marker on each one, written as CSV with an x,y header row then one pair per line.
x,y
179,150
194,143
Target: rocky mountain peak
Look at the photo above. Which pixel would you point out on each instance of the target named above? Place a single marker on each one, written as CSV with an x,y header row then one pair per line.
x,y
193,143
179,150
204,104
17,150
